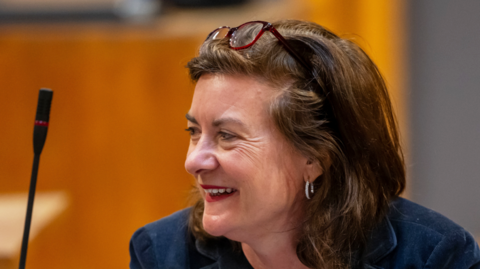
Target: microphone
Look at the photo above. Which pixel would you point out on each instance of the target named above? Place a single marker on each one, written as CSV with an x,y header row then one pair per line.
x,y
39,136
41,120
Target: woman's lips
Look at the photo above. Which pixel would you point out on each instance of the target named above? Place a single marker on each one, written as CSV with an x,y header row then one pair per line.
x,y
216,193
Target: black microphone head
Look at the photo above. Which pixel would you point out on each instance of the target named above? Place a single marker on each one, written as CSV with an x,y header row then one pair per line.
x,y
43,107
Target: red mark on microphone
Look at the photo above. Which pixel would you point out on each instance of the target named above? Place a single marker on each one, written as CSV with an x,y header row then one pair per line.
x,y
41,123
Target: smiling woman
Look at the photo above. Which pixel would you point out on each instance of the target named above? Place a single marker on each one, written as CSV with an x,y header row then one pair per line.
x,y
235,145
297,162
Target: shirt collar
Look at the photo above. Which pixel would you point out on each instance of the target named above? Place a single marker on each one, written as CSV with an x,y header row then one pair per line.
x,y
224,253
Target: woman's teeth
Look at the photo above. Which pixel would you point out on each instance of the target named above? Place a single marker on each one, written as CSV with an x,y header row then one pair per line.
x,y
215,192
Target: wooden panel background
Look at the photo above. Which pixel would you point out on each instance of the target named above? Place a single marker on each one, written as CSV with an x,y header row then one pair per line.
x,y
116,142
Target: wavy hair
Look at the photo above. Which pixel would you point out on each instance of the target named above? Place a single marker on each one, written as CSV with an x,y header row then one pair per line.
x,y
338,114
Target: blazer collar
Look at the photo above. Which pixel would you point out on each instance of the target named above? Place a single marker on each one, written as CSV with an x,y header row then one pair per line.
x,y
381,242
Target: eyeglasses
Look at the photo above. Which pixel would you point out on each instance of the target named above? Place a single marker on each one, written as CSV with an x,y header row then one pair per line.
x,y
245,35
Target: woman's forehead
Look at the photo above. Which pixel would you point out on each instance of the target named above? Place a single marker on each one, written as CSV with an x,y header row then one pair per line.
x,y
231,96
235,84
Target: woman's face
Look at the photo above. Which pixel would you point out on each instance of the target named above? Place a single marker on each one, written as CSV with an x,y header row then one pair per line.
x,y
255,177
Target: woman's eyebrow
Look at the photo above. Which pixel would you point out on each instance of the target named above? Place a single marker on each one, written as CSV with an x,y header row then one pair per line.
x,y
228,120
191,118
218,122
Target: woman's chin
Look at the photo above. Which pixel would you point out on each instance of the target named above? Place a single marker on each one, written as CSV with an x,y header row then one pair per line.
x,y
215,225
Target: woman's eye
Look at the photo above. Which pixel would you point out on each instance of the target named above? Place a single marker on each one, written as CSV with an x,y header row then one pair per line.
x,y
226,136
192,131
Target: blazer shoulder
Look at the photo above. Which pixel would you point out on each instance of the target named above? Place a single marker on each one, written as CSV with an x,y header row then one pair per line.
x,y
408,212
438,242
161,243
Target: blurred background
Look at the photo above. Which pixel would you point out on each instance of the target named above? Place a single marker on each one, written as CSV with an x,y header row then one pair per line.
x,y
114,155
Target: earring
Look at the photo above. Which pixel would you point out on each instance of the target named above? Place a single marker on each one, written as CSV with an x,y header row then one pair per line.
x,y
306,189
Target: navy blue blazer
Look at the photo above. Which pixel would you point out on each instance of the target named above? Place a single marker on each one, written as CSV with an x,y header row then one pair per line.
x,y
411,236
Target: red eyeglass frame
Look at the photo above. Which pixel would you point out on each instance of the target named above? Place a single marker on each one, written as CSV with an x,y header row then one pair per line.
x,y
266,27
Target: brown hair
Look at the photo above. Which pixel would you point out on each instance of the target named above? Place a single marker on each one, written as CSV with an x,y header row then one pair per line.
x,y
338,114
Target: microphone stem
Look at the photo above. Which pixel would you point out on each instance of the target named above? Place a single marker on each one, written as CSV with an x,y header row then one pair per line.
x,y
28,218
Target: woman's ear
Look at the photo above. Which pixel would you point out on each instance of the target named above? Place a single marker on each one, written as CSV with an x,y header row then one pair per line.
x,y
313,169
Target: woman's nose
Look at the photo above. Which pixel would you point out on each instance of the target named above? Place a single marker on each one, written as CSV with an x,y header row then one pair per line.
x,y
201,158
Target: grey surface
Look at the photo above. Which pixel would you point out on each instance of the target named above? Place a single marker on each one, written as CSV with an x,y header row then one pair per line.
x,y
445,108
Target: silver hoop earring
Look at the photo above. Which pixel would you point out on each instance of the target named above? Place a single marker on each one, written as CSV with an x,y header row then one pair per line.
x,y
306,190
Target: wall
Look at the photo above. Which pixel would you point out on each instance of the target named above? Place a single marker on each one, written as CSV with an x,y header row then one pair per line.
x,y
445,79
116,142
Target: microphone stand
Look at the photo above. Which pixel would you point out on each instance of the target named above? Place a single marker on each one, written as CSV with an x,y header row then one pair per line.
x,y
39,136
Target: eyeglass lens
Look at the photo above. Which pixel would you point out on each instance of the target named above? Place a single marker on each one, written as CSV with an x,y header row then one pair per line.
x,y
220,33
245,34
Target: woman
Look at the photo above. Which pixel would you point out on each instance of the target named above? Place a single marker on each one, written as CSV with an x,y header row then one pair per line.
x,y
297,161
